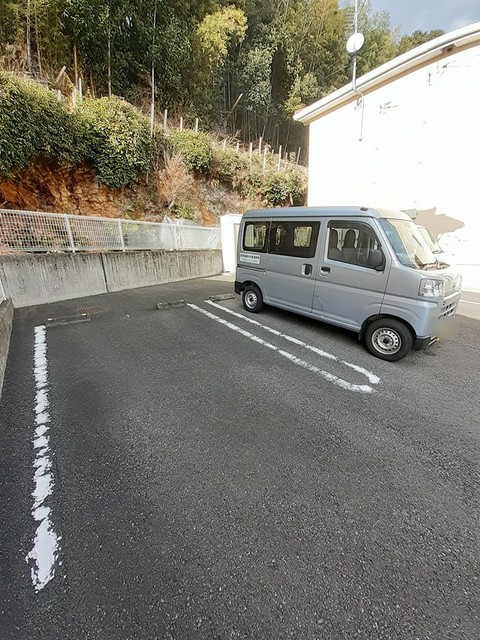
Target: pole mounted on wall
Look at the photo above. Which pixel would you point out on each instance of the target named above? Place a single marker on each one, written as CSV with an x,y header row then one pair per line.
x,y
354,44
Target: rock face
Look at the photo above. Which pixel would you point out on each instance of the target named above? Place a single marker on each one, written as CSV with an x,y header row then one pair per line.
x,y
47,186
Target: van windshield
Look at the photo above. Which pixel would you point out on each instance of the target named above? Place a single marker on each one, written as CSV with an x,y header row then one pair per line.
x,y
409,244
430,240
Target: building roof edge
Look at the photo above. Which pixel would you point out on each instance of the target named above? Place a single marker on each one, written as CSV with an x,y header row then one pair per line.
x,y
421,55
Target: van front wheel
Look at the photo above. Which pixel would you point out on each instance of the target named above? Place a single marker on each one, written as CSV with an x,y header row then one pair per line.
x,y
388,339
252,298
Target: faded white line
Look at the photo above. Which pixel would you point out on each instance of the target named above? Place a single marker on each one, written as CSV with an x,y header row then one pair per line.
x,y
469,302
359,388
371,377
45,549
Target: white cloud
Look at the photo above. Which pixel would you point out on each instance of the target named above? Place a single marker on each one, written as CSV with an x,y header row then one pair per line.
x,y
462,21
433,14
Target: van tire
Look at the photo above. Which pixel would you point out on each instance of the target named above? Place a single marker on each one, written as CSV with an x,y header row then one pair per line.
x,y
252,299
388,339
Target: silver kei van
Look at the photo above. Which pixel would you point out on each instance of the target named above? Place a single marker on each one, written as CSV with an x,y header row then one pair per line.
x,y
368,270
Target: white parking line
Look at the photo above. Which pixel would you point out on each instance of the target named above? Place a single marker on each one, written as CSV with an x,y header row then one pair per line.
x,y
469,302
371,377
44,552
359,388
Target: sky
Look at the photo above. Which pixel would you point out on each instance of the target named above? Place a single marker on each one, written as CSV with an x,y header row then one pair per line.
x,y
427,15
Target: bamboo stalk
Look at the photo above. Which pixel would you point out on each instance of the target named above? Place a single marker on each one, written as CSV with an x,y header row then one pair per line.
x,y
37,39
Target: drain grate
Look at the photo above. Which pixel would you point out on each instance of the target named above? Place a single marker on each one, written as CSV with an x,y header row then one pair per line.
x,y
91,311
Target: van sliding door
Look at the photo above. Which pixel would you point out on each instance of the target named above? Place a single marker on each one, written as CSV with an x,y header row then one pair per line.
x,y
292,263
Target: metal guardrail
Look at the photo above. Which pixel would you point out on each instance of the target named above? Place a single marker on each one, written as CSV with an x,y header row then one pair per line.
x,y
32,231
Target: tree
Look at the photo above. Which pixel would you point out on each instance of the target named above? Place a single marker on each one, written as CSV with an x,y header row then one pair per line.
x,y
255,84
214,37
416,39
242,65
87,24
380,42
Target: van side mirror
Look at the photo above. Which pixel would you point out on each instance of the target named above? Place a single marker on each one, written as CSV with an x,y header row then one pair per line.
x,y
376,260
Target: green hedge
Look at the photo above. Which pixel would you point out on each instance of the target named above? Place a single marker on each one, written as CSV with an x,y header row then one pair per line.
x,y
34,124
116,140
108,134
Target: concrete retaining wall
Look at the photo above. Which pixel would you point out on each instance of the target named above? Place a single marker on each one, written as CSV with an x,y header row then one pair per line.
x,y
6,319
31,279
146,268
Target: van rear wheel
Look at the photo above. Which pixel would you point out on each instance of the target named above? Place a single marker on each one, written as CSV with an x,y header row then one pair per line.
x,y
252,298
388,339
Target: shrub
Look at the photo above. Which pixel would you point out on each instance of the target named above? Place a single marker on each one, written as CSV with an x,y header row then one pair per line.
x,y
195,149
34,124
108,133
252,184
286,188
184,210
116,140
160,143
230,167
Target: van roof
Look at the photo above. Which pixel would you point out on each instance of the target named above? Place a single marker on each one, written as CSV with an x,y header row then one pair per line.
x,y
312,212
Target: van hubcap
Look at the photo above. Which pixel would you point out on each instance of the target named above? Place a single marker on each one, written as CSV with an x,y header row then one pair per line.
x,y
387,341
251,299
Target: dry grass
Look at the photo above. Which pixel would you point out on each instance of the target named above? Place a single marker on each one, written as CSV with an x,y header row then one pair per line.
x,y
173,182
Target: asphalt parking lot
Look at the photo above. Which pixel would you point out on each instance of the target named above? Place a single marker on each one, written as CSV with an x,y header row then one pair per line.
x,y
194,473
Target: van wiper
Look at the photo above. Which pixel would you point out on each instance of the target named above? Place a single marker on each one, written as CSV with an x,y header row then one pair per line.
x,y
428,266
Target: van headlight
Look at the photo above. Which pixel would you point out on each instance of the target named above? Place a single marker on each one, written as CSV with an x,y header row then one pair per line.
x,y
431,288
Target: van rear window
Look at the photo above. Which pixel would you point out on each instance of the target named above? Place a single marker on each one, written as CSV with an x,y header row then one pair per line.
x,y
255,236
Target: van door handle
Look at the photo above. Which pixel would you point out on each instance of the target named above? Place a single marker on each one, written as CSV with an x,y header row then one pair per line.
x,y
324,271
306,269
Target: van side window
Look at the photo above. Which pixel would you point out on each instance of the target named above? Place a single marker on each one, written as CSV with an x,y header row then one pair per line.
x,y
353,243
255,236
296,239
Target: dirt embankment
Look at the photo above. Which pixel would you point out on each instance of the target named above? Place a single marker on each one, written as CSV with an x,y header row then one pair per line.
x,y
47,186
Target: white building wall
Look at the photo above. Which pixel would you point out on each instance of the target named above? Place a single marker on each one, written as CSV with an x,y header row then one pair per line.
x,y
413,145
230,225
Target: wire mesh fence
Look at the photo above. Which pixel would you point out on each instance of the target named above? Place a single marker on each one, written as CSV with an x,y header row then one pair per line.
x,y
43,232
